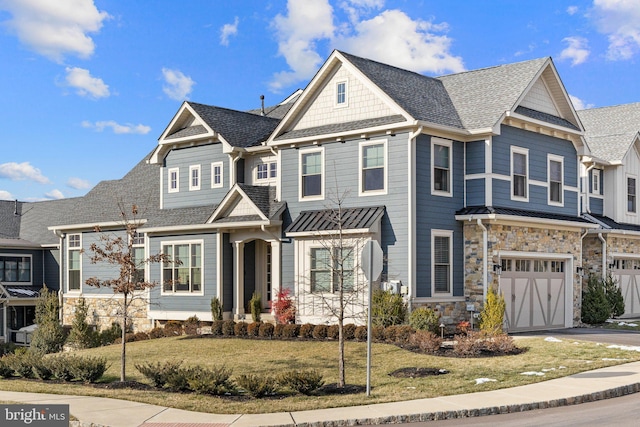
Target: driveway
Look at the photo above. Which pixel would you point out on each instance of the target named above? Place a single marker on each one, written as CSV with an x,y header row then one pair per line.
x,y
605,336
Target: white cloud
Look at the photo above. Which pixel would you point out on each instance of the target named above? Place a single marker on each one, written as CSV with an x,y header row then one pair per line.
x,y
619,20
78,183
5,195
55,28
85,83
227,31
117,128
22,172
177,85
390,36
579,104
577,50
572,10
54,194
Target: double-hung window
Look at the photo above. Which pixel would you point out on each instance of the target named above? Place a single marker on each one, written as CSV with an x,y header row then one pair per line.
x,y
74,262
441,166
373,176
194,177
331,268
137,249
596,179
15,268
519,173
216,175
341,94
266,170
311,166
631,194
555,166
441,256
183,273
174,180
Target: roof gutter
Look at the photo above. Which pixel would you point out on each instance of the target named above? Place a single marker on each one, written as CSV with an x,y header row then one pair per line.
x,y
541,221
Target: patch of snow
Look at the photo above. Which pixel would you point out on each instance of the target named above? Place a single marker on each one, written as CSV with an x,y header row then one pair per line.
x,y
539,374
562,367
625,347
411,388
548,369
606,359
484,380
552,339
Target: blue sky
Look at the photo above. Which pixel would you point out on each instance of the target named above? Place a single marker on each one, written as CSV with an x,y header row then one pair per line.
x,y
87,86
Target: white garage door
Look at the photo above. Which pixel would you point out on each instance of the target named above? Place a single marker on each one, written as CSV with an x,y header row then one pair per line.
x,y
627,274
534,293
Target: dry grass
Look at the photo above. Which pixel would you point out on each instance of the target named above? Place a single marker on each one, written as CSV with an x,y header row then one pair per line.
x,y
261,357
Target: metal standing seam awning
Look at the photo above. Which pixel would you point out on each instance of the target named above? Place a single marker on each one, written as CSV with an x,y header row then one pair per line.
x,y
362,220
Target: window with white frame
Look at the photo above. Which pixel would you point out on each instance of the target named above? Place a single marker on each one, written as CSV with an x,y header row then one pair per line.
x,y
266,170
441,166
194,177
519,173
173,179
631,194
330,267
341,94
596,179
15,269
137,249
311,167
216,175
373,160
441,255
555,175
183,273
74,262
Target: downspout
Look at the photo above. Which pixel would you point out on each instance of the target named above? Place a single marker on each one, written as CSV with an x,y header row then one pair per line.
x,y
587,203
485,260
412,215
61,275
604,255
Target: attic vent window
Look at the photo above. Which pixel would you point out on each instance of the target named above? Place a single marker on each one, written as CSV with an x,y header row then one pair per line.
x,y
341,94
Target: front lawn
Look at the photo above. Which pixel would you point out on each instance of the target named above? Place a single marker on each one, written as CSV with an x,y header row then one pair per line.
x,y
544,359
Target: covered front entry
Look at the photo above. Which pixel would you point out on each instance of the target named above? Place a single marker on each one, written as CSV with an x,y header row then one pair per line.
x,y
626,272
535,293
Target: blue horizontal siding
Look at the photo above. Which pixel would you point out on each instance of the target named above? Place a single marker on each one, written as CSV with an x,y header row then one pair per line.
x,y
475,157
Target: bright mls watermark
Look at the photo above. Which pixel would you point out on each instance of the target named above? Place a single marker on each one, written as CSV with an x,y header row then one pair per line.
x,y
34,415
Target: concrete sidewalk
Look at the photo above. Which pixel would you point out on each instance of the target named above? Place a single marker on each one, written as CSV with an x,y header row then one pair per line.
x,y
584,387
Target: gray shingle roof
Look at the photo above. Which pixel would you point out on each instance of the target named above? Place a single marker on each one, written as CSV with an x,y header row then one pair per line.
x,y
610,131
238,128
327,219
340,127
545,117
37,216
188,131
10,213
482,96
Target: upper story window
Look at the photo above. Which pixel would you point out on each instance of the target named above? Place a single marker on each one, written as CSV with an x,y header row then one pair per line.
x,y
341,94
184,273
266,170
373,159
137,243
74,262
15,269
194,177
555,166
631,194
312,168
596,180
441,256
441,166
331,267
216,175
174,180
519,173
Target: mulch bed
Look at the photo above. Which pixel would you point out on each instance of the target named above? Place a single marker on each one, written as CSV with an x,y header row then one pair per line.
x,y
414,372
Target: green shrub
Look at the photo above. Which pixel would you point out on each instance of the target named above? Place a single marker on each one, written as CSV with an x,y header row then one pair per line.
x,y
21,363
349,331
320,332
290,330
240,329
257,385
214,381
255,304
6,371
228,328
333,331
109,336
216,309
424,319
158,373
361,333
7,348
178,380
191,325
266,330
60,367
492,314
87,369
50,336
42,369
216,327
306,330
595,306
614,296
253,329
425,341
387,308
82,335
305,382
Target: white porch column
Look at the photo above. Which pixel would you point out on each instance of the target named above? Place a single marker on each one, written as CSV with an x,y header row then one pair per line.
x,y
238,278
276,267
219,268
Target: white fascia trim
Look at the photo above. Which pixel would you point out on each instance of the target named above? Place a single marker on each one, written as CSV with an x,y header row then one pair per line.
x,y
92,225
617,232
211,227
535,255
624,255
341,136
544,124
526,219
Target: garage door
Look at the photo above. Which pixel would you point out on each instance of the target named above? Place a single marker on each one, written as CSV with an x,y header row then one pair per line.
x,y
627,274
534,293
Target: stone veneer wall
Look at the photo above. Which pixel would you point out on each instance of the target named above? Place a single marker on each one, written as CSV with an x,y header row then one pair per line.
x,y
105,311
592,250
506,237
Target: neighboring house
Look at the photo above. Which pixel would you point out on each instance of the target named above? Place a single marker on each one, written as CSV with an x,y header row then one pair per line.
x,y
612,177
466,181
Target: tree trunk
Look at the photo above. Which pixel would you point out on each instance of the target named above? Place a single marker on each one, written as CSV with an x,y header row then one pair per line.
x,y
123,353
341,379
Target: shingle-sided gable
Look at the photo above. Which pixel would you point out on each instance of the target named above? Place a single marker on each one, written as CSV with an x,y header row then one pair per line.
x,y
610,131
